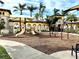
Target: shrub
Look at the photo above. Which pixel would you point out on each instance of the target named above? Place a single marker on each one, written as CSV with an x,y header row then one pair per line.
x,y
4,32
44,31
71,30
2,24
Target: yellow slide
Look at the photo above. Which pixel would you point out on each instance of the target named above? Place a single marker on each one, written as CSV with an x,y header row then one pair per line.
x,y
20,33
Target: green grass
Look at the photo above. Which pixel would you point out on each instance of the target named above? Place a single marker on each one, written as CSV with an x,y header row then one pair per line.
x,y
4,54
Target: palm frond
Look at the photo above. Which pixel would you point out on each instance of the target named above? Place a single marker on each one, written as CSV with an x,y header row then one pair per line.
x,y
25,9
31,8
56,11
28,7
15,7
23,5
15,10
35,8
1,2
43,9
20,5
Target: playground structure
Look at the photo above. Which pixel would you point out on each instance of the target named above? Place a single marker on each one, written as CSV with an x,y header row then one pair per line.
x,y
28,30
25,29
20,33
37,26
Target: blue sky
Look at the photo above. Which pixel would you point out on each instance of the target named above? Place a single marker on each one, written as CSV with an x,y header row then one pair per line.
x,y
50,5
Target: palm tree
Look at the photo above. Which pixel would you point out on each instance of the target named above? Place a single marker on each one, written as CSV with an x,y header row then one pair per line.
x,y
31,9
20,8
41,9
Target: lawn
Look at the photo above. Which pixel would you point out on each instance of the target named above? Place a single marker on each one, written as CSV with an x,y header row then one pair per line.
x,y
4,54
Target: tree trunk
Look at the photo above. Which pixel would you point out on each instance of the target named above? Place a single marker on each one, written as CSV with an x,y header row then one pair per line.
x,y
49,30
71,25
21,12
40,13
67,33
30,14
20,23
25,25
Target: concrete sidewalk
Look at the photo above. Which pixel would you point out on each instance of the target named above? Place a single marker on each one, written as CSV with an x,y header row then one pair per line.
x,y
64,55
21,51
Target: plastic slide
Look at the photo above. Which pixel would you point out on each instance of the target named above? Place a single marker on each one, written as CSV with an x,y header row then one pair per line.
x,y
20,33
33,32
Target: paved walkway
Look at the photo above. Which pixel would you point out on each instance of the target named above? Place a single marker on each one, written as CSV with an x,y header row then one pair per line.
x,y
64,55
21,51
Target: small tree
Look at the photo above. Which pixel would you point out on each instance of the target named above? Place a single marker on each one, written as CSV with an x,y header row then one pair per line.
x,y
37,16
2,24
51,23
71,17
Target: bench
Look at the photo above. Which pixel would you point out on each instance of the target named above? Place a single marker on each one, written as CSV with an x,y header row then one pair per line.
x,y
76,50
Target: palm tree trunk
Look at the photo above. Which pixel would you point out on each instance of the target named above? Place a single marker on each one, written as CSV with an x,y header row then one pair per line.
x,y
67,32
20,20
71,25
21,12
39,13
30,14
42,15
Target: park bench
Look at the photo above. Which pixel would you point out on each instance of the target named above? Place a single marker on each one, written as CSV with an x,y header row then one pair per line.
x,y
76,50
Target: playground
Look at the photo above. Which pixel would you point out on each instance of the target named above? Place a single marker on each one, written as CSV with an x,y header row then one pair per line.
x,y
39,37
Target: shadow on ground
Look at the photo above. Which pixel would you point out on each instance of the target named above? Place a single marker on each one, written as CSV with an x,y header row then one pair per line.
x,y
49,50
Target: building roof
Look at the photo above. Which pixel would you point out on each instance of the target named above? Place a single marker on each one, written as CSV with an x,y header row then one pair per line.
x,y
24,16
1,9
76,22
28,21
51,17
72,8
